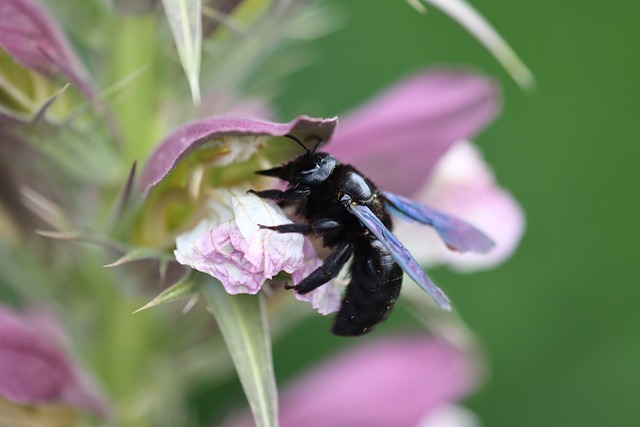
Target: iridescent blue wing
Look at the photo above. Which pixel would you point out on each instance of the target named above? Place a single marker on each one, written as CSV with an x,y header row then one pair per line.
x,y
457,234
399,253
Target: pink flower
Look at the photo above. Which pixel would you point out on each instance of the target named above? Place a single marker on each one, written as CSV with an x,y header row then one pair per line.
x,y
406,381
34,368
398,137
228,243
410,140
33,39
230,246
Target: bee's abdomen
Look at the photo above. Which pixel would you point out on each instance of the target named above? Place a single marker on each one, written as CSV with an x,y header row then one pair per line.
x,y
372,292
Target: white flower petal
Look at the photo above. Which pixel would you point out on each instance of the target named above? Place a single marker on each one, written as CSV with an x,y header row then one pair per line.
x,y
449,416
269,251
463,185
230,245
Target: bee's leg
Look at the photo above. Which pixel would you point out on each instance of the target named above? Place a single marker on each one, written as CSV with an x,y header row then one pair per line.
x,y
302,228
283,196
329,269
319,227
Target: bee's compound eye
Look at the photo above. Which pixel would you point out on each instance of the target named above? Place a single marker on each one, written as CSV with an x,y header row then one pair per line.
x,y
315,168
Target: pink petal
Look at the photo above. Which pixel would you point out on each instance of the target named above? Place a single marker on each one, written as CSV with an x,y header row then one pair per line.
x,y
464,186
398,138
389,382
213,252
34,40
195,134
35,370
230,245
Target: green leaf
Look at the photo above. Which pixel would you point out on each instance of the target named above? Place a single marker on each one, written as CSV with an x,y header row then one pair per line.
x,y
185,21
136,254
182,288
243,324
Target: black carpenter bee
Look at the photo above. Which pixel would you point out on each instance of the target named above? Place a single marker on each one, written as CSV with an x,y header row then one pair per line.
x,y
352,217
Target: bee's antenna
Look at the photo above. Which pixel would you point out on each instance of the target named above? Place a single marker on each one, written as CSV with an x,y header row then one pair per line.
x,y
315,147
300,143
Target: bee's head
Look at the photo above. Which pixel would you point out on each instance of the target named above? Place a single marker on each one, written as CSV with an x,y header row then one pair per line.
x,y
310,168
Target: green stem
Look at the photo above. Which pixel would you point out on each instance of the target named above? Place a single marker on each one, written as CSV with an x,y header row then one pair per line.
x,y
243,323
133,55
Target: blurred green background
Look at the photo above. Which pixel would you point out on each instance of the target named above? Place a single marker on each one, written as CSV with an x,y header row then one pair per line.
x,y
560,322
